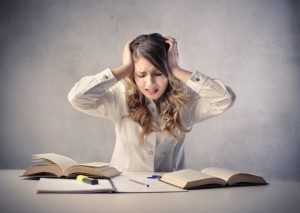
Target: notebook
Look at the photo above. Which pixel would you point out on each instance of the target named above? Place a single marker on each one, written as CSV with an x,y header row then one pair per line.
x,y
59,185
123,183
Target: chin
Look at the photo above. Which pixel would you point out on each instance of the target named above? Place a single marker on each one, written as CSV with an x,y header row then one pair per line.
x,y
153,97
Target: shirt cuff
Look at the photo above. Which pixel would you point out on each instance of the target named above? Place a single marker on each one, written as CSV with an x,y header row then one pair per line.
x,y
198,81
106,78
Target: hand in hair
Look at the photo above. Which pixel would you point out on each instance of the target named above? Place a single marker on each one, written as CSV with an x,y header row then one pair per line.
x,y
127,66
127,55
173,56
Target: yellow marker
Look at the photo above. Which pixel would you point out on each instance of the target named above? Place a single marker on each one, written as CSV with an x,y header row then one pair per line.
x,y
86,179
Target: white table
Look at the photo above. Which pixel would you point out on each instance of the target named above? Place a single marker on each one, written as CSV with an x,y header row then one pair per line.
x,y
19,195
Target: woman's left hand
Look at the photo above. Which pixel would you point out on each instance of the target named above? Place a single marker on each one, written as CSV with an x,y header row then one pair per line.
x,y
173,56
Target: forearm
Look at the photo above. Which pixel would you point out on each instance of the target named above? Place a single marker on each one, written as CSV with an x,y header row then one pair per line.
x,y
211,97
201,81
182,75
88,89
95,94
122,71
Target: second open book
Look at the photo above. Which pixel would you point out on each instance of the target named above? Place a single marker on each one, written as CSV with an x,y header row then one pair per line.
x,y
211,177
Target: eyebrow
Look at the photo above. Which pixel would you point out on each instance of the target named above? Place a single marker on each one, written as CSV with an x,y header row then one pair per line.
x,y
142,72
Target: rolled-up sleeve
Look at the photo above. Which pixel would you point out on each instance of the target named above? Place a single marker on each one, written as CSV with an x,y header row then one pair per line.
x,y
210,97
94,95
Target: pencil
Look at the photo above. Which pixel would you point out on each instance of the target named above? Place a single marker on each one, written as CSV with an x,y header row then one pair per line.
x,y
138,182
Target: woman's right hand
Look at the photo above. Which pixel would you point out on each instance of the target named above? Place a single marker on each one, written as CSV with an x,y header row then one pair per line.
x,y
127,55
128,65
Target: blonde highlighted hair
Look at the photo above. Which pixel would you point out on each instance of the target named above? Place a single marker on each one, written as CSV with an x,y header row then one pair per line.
x,y
154,48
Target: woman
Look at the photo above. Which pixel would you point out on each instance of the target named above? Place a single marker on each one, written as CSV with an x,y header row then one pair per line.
x,y
152,102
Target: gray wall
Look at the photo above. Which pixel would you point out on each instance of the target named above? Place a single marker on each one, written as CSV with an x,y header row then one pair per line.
x,y
253,46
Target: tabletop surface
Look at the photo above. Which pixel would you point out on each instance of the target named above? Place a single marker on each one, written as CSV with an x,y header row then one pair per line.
x,y
19,195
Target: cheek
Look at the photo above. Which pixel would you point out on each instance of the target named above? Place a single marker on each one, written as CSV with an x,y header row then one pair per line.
x,y
139,83
164,83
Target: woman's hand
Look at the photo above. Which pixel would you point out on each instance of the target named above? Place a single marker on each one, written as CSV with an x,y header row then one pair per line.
x,y
127,66
127,55
173,56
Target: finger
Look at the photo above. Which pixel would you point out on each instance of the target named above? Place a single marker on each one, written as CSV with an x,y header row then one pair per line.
x,y
130,40
169,38
171,47
173,44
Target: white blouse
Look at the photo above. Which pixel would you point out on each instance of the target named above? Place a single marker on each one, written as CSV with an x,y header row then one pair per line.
x,y
102,95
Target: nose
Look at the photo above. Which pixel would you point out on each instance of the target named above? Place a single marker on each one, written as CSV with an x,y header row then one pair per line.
x,y
149,80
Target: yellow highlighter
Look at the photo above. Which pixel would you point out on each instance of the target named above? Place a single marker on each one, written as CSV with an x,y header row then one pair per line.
x,y
86,179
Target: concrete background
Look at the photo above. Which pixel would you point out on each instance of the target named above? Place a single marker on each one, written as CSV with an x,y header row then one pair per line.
x,y
253,46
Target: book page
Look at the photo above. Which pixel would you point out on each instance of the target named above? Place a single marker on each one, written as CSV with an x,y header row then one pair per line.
x,y
189,178
58,185
222,173
93,169
62,161
94,164
187,175
233,177
40,162
124,183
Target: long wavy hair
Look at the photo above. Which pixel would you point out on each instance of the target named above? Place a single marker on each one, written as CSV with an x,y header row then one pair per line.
x,y
153,48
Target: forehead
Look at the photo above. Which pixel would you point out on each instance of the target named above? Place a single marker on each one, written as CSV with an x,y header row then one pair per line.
x,y
143,65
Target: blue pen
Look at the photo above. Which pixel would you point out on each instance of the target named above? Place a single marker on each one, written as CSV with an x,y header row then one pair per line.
x,y
154,177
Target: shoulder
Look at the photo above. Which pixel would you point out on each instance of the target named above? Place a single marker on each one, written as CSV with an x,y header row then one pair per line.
x,y
119,88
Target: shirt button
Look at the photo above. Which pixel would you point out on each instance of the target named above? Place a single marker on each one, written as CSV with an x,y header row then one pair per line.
x,y
197,79
150,152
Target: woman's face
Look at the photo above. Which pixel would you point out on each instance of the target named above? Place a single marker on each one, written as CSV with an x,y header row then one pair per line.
x,y
150,81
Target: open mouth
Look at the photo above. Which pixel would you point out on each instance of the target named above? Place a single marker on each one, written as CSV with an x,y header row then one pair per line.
x,y
152,91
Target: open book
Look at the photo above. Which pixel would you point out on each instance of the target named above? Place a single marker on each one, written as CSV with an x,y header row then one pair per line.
x,y
210,177
55,165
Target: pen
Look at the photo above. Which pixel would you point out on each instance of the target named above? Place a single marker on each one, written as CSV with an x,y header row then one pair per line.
x,y
154,177
138,182
86,179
